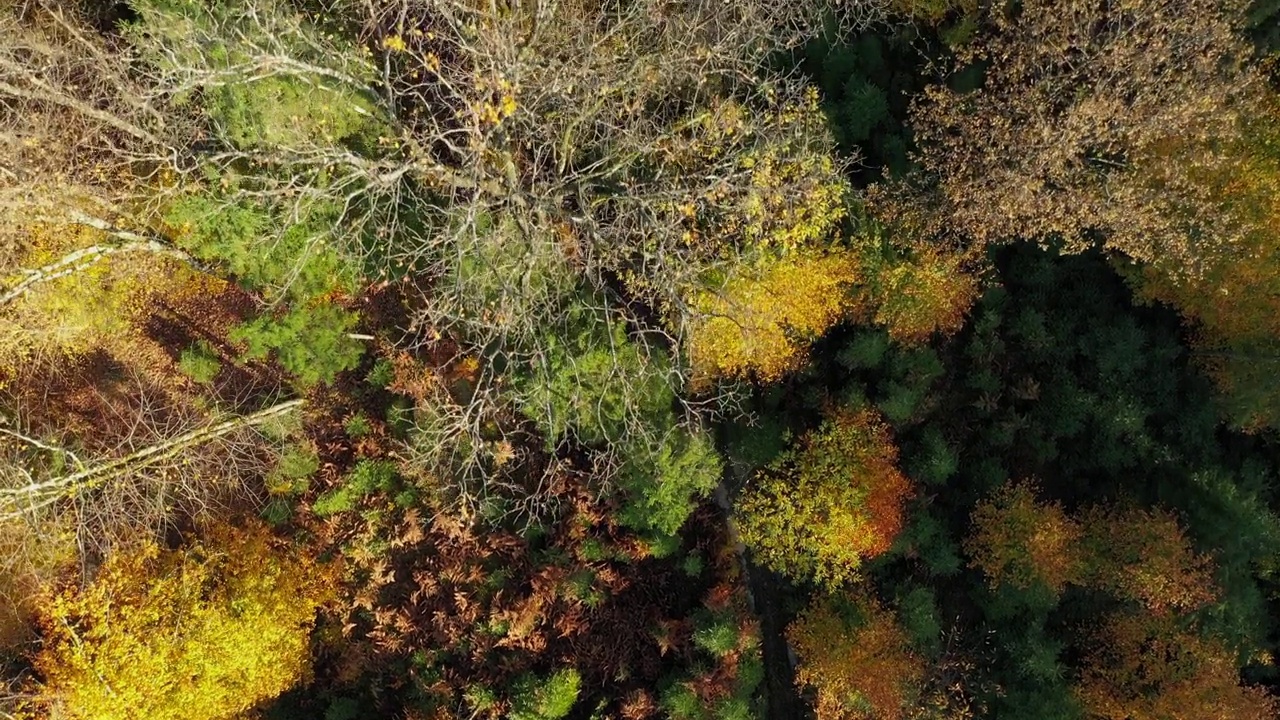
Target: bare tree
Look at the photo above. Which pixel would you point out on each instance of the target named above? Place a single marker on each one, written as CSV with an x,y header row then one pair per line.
x,y
78,125
155,460
509,160
528,157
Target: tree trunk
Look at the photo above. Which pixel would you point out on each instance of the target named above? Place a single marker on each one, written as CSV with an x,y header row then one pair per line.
x,y
14,502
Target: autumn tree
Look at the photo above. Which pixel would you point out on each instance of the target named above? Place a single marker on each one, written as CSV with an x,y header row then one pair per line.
x,y
661,196
1139,555
1145,556
829,503
1020,540
73,289
856,660
912,289
34,552
206,632
1141,126
1232,306
1065,137
761,322
1145,667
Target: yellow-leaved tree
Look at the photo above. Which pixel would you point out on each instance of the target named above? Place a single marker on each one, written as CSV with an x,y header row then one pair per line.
x,y
33,551
1144,555
76,288
829,504
202,633
761,322
773,274
909,287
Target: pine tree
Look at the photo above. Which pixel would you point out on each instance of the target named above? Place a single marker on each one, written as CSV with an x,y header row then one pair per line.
x,y
549,698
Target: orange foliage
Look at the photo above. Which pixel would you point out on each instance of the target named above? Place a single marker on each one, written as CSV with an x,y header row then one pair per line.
x,y
1136,554
1021,541
487,610
1144,667
859,671
1143,555
829,504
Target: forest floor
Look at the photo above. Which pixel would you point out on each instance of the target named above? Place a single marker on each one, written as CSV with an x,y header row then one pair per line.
x,y
765,593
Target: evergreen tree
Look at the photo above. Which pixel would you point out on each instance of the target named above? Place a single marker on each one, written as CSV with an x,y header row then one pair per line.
x,y
545,698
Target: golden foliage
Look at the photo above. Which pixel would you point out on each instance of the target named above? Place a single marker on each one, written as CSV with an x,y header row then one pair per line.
x,y
859,671
1139,555
1143,556
915,289
1021,541
829,504
1143,667
202,633
1235,294
760,323
796,194
769,210
96,302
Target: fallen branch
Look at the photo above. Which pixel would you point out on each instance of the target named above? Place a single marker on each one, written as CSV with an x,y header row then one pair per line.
x,y
14,502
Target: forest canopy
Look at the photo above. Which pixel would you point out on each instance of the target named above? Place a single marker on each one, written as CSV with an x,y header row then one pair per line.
x,y
628,359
